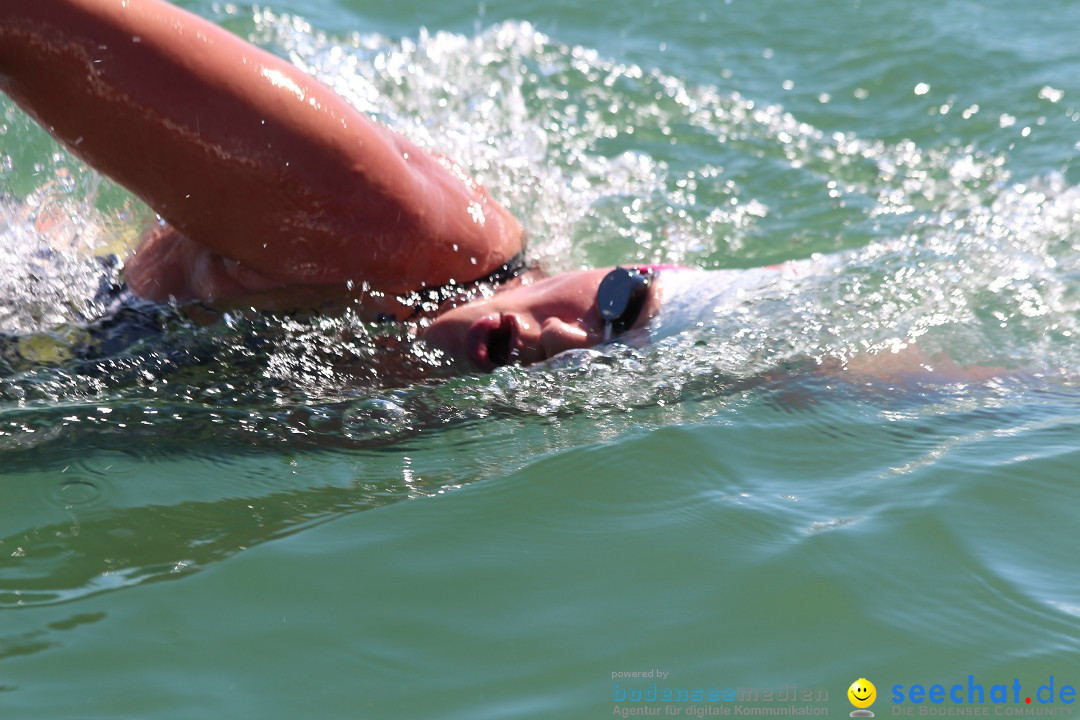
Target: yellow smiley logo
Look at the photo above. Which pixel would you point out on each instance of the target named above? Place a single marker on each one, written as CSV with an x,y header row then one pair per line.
x,y
862,693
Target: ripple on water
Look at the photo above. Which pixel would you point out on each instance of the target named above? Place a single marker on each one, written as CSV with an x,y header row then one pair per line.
x,y
77,493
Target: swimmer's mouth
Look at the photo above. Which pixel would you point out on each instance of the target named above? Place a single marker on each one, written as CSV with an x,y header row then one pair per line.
x,y
499,344
493,340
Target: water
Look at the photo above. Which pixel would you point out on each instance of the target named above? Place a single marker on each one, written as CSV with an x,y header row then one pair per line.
x,y
242,520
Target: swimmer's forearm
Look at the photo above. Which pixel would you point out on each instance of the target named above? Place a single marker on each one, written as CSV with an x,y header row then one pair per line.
x,y
238,149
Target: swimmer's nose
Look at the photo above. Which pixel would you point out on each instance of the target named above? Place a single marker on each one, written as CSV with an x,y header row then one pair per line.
x,y
557,335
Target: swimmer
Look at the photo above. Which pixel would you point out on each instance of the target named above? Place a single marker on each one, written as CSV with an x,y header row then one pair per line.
x,y
275,193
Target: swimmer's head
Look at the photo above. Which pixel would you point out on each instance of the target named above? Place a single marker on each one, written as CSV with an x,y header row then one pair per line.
x,y
532,322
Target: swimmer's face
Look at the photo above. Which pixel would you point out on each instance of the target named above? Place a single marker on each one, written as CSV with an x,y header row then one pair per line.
x,y
527,324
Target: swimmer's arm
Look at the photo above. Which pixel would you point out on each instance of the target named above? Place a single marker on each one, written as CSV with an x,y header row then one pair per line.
x,y
911,365
242,152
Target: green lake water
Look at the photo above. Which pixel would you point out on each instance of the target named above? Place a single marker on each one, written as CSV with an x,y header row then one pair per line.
x,y
241,522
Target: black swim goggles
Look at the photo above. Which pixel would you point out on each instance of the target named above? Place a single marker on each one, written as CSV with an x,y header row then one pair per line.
x,y
620,298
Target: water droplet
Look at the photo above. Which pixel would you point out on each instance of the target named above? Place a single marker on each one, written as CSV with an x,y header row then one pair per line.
x,y
1052,94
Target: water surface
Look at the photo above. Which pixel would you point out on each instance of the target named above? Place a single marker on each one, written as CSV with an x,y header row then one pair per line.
x,y
242,520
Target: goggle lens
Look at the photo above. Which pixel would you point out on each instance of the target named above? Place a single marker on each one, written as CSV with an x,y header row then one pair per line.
x,y
620,297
